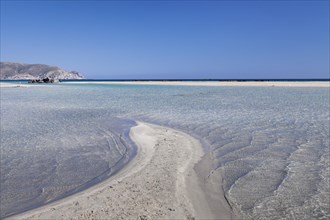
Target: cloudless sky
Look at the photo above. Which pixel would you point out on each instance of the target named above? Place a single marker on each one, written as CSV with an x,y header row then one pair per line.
x,y
170,39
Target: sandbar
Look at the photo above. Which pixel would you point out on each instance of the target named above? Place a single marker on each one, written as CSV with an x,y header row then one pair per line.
x,y
161,182
214,83
12,85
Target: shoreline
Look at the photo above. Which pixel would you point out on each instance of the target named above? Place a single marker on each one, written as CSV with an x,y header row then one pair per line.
x,y
13,85
212,83
160,182
321,84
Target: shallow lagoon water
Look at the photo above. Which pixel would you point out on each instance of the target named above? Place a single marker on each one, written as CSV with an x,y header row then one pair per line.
x,y
271,144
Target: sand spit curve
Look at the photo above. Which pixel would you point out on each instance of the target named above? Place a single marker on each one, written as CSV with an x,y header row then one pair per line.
x,y
159,183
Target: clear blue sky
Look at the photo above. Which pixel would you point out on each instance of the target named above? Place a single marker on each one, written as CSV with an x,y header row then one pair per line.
x,y
170,39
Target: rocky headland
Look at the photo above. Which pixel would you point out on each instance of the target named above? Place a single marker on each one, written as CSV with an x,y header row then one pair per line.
x,y
19,71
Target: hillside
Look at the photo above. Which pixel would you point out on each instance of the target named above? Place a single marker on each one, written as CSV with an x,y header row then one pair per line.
x,y
18,71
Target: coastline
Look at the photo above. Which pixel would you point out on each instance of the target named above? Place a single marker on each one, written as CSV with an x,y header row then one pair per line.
x,y
160,182
211,83
323,84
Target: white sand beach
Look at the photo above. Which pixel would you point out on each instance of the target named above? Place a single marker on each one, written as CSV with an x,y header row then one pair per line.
x,y
159,183
13,85
213,83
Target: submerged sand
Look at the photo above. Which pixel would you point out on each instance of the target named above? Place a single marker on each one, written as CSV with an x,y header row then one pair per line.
x,y
159,183
214,83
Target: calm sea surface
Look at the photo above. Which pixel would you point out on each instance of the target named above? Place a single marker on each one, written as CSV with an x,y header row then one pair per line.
x,y
271,143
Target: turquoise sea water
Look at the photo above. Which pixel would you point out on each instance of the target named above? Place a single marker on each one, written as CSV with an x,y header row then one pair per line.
x,y
270,143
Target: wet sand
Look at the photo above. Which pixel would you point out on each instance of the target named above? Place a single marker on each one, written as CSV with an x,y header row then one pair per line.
x,y
214,83
159,183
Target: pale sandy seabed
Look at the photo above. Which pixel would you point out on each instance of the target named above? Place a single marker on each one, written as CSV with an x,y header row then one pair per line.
x,y
159,183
